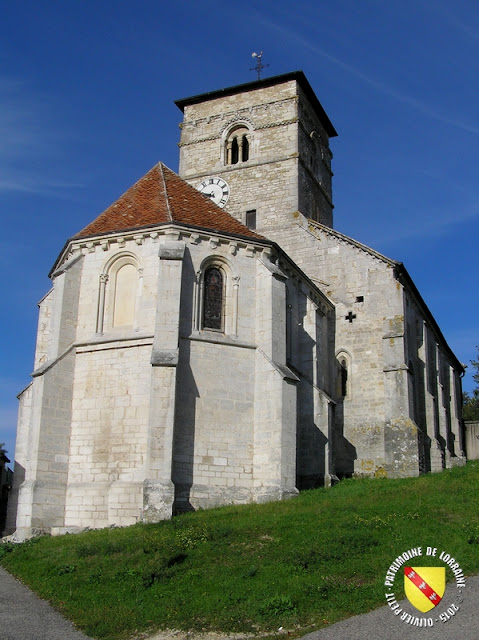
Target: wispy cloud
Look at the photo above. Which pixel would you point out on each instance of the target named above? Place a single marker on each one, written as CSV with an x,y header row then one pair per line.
x,y
8,420
452,20
29,141
389,234
381,87
22,120
21,183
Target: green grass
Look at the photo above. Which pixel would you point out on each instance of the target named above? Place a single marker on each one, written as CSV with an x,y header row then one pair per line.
x,y
299,564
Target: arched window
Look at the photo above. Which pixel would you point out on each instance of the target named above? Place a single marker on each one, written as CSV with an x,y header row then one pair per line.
x,y
213,299
237,145
216,297
125,296
234,156
344,377
245,148
343,360
118,293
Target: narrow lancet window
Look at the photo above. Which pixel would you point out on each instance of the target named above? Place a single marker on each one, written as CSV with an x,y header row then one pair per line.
x,y
344,378
234,151
245,149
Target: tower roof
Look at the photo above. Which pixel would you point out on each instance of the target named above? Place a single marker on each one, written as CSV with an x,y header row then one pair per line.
x,y
160,197
266,82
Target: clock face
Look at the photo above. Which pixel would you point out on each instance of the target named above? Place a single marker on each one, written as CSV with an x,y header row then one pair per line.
x,y
216,189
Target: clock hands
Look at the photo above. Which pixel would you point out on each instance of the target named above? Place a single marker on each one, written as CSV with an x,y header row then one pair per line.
x,y
216,189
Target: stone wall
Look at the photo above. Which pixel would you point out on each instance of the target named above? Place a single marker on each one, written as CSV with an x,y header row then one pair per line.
x,y
434,391
212,451
108,442
472,440
399,413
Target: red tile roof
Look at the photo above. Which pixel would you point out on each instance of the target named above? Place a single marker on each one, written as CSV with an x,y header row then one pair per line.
x,y
161,196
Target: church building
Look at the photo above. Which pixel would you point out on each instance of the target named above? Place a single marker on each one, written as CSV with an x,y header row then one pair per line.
x,y
211,339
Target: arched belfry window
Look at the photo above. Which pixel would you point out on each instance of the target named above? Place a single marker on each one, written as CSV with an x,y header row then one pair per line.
x,y
237,147
213,298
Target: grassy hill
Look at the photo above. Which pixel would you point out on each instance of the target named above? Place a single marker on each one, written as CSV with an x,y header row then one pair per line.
x,y
299,564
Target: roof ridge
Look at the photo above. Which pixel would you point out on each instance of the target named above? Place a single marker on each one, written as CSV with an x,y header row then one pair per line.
x,y
167,198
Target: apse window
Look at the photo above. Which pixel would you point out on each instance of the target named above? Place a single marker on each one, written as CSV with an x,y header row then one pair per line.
x,y
125,293
213,298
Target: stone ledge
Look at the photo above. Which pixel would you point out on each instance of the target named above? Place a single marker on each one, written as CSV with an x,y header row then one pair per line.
x,y
114,343
214,338
172,250
164,357
99,344
401,367
274,269
285,372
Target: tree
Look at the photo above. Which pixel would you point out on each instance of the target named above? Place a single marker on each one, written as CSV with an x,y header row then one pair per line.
x,y
470,402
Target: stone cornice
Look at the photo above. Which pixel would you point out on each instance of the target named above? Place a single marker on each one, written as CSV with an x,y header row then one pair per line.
x,y
76,247
294,76
69,262
243,166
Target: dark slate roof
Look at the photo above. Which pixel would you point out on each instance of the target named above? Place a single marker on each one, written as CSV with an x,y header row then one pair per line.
x,y
160,197
266,82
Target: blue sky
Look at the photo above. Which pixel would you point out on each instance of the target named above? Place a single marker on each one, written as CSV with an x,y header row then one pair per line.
x,y
86,108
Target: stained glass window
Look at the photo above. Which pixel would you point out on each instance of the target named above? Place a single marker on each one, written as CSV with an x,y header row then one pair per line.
x,y
213,299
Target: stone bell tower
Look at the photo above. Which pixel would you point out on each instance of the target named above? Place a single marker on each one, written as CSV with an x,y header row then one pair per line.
x,y
261,150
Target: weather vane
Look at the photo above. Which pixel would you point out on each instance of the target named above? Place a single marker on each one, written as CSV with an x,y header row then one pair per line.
x,y
259,65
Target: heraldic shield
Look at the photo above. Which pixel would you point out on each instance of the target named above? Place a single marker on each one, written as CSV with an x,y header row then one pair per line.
x,y
424,586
